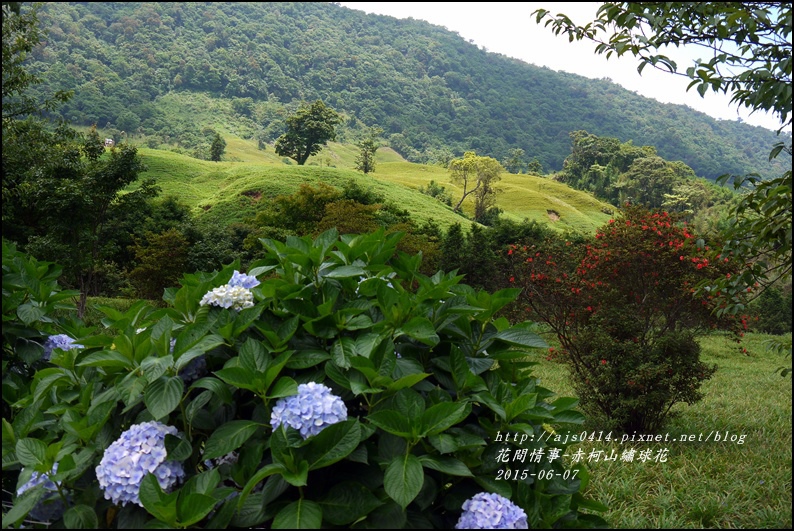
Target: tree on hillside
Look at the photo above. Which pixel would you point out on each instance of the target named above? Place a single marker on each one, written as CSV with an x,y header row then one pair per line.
x,y
515,163
479,173
365,160
308,130
748,55
217,148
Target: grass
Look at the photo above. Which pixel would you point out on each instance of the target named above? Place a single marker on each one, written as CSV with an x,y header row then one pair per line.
x,y
233,190
705,484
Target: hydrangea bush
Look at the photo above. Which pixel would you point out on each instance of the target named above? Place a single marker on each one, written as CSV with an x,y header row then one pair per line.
x,y
324,400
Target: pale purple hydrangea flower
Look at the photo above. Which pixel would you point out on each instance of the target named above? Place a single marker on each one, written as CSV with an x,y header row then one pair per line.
x,y
50,507
310,411
242,280
61,341
226,296
491,511
139,450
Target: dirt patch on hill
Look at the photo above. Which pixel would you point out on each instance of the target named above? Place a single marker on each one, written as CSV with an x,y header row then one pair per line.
x,y
256,195
553,215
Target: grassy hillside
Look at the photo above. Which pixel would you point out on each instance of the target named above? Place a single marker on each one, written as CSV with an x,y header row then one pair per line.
x,y
233,190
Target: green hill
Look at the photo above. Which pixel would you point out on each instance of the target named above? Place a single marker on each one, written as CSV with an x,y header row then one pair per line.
x,y
227,192
168,69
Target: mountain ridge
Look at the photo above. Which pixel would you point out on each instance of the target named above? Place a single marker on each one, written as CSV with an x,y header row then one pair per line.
x,y
434,93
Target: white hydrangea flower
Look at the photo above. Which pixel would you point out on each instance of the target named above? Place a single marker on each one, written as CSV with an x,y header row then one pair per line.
x,y
230,297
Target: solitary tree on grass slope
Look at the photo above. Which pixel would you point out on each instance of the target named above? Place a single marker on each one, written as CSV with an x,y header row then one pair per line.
x,y
308,130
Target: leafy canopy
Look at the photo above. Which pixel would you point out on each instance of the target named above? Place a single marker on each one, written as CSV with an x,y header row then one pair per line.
x,y
307,131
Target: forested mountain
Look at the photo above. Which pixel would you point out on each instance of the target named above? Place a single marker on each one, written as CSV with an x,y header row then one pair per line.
x,y
434,94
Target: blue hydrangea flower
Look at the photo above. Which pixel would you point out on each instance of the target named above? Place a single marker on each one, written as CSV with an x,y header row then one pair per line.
x,y
139,450
193,370
491,511
243,280
50,507
61,341
310,411
226,296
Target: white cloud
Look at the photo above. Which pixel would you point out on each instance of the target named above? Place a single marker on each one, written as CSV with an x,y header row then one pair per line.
x,y
510,29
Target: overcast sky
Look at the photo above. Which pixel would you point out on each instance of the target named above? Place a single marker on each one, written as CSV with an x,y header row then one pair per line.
x,y
508,28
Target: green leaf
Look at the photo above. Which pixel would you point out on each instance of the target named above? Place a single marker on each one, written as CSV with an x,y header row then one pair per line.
x,y
29,313
299,477
392,422
237,376
163,395
307,358
300,514
285,386
177,448
447,465
441,416
343,349
421,329
403,479
346,271
521,337
193,507
348,501
160,505
31,452
80,517
217,387
333,443
229,437
262,473
106,358
22,506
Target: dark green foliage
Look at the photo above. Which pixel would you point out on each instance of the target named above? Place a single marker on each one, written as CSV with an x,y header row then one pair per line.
x,y
161,261
515,163
21,34
217,148
453,248
63,193
365,160
773,309
308,130
433,189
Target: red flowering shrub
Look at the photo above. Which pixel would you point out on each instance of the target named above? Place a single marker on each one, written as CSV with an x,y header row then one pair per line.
x,y
624,309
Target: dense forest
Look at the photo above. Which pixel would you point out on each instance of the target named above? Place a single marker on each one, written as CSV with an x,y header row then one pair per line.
x,y
433,93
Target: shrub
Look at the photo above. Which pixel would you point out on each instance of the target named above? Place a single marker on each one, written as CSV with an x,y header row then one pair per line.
x,y
624,311
411,378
